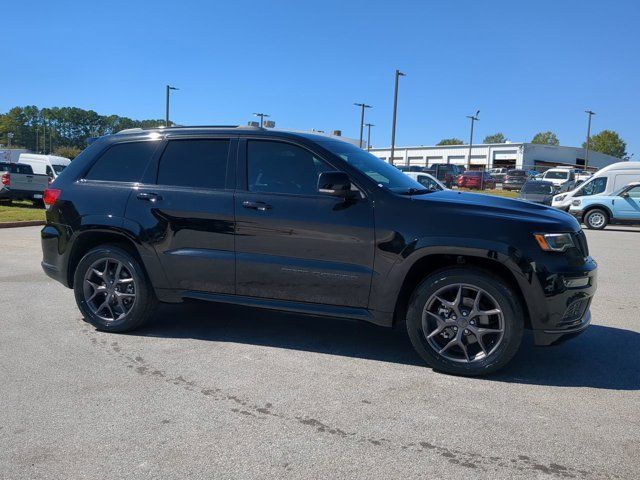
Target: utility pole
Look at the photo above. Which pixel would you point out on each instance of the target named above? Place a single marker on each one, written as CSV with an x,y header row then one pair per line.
x,y
262,117
395,110
369,125
586,150
166,111
473,118
362,107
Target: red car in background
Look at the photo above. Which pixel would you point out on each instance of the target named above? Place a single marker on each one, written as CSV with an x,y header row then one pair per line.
x,y
476,179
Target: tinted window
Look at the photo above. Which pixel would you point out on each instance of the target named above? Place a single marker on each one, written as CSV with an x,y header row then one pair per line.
x,y
595,186
379,171
58,168
4,167
24,169
194,163
557,175
634,192
124,162
538,187
278,167
428,183
516,173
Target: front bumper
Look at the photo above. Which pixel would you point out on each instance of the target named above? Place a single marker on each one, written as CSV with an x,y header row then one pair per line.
x,y
544,338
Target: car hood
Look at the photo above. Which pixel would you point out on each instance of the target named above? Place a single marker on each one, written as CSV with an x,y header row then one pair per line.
x,y
490,206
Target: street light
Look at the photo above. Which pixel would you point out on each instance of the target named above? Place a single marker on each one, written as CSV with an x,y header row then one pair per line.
x,y
166,113
473,118
586,150
369,125
362,107
262,116
395,109
9,138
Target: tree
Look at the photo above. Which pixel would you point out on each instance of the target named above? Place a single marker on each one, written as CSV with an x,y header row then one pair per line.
x,y
68,152
607,142
495,138
450,141
546,138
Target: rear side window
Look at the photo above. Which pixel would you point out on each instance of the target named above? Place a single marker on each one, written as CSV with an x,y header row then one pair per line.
x,y
24,169
123,162
194,163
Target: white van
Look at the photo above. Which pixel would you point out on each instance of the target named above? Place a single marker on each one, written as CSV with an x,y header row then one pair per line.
x,y
603,182
50,165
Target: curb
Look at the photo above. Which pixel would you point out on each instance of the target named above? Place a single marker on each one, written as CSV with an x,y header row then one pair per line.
x,y
30,223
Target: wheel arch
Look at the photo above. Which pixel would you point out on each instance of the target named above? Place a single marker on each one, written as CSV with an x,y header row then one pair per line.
x,y
597,206
431,263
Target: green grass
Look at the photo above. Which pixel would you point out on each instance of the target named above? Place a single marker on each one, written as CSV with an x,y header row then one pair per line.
x,y
498,193
20,211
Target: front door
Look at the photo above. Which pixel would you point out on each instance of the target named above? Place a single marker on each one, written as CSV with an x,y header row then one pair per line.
x,y
293,243
186,212
628,207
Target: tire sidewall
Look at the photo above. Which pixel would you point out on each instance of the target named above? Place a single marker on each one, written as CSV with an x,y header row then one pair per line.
x,y
137,314
588,216
510,306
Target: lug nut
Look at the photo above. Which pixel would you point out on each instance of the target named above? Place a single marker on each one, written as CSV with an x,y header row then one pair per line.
x,y
453,317
466,332
472,322
464,314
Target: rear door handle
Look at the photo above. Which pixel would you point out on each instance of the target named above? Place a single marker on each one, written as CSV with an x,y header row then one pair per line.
x,y
261,206
149,197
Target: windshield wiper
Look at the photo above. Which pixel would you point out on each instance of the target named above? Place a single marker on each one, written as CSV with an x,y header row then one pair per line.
x,y
416,191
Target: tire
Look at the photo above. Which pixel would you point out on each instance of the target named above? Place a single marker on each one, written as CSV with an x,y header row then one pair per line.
x,y
596,219
497,348
130,301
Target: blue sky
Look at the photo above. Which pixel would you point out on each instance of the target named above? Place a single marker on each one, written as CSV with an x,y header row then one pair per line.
x,y
528,66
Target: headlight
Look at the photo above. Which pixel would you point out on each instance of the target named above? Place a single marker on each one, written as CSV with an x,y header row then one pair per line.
x,y
559,198
576,203
554,242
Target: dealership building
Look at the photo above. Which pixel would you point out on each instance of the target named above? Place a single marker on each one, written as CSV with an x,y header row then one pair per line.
x,y
493,155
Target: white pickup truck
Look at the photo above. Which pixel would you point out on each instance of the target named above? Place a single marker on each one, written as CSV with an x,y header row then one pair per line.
x,y
18,182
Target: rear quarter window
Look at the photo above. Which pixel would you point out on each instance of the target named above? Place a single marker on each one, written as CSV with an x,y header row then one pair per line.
x,y
123,162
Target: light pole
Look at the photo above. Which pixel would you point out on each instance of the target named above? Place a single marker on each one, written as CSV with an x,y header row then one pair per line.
x,y
261,115
395,109
369,125
362,107
9,138
166,112
473,118
586,150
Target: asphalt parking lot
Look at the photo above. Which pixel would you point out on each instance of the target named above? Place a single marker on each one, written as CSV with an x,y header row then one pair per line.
x,y
209,391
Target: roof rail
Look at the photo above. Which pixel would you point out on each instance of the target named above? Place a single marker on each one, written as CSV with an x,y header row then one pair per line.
x,y
176,127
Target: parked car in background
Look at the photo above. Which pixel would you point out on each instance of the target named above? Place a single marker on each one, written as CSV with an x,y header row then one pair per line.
x,y
18,182
50,165
427,180
582,176
603,182
445,172
476,179
498,173
309,224
515,179
598,211
537,191
563,179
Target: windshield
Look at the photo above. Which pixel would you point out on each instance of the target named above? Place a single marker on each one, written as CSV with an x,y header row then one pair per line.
x,y
384,174
592,187
557,175
516,173
537,187
58,168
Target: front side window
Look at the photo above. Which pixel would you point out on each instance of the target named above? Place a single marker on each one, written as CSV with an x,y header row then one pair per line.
x,y
634,192
194,163
428,183
379,171
123,162
58,168
278,167
595,186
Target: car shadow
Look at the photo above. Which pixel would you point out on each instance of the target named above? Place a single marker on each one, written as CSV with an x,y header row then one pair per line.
x,y
602,357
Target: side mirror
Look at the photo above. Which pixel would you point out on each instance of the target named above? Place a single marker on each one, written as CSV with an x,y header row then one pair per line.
x,y
625,195
334,183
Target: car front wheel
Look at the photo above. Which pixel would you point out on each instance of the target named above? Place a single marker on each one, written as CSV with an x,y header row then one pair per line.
x,y
112,290
596,219
465,321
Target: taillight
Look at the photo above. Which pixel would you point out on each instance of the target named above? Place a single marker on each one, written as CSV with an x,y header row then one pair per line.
x,y
6,179
51,195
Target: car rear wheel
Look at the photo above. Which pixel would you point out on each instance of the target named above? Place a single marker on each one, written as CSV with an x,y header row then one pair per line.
x,y
465,321
112,290
596,219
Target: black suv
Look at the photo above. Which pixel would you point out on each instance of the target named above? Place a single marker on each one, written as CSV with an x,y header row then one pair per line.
x,y
311,224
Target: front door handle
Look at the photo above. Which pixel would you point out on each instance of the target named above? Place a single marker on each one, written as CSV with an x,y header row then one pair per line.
x,y
261,206
149,197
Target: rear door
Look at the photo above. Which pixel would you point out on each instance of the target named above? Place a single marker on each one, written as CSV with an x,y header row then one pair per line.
x,y
293,243
186,211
